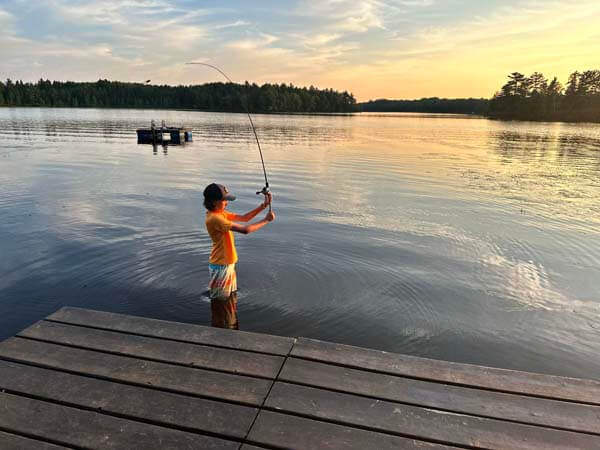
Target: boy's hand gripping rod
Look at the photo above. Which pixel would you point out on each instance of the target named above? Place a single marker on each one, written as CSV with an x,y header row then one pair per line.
x,y
265,190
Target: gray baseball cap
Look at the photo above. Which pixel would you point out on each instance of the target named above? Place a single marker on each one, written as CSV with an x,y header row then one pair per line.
x,y
216,191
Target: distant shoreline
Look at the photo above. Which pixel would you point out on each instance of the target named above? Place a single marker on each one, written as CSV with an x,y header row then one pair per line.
x,y
272,113
296,113
538,120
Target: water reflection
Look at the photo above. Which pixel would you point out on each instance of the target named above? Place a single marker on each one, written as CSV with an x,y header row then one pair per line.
x,y
165,148
224,312
548,169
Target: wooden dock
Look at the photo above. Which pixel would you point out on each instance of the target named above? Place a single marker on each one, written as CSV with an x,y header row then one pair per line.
x,y
95,380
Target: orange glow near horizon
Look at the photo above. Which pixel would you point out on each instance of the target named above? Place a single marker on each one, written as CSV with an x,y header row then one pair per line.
x,y
474,60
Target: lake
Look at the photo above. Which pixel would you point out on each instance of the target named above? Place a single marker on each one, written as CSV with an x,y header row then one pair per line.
x,y
449,237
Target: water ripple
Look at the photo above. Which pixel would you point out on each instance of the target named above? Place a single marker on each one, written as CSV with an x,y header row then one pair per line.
x,y
458,238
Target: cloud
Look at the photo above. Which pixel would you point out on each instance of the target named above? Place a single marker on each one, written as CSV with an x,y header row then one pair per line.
x,y
263,40
365,16
418,3
182,36
237,23
111,12
346,15
7,22
331,55
321,39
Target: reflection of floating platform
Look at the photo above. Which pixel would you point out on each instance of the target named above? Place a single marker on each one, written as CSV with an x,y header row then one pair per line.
x,y
163,135
89,379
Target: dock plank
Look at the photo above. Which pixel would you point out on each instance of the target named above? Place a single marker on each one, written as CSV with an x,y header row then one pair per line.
x,y
291,432
421,423
217,385
76,427
160,407
197,334
89,379
14,442
234,361
530,410
527,383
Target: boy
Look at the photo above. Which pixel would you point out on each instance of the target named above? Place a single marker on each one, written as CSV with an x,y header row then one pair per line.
x,y
220,224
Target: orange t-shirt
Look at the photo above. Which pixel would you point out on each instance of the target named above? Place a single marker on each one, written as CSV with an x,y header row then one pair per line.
x,y
218,226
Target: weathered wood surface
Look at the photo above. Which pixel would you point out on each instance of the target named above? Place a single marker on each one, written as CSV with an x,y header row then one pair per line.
x,y
234,361
88,379
459,399
163,408
196,334
292,432
72,426
236,388
420,423
561,388
14,442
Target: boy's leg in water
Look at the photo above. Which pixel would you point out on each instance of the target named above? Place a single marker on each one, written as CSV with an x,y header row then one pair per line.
x,y
224,312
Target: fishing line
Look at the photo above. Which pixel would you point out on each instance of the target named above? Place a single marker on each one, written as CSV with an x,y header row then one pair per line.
x,y
264,190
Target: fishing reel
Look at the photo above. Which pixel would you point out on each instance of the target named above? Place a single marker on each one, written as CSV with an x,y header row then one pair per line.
x,y
265,190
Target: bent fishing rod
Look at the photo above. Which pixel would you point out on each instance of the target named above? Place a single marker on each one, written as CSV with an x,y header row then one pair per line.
x,y
265,189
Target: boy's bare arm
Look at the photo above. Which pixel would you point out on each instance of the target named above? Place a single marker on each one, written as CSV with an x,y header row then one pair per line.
x,y
252,214
249,215
246,229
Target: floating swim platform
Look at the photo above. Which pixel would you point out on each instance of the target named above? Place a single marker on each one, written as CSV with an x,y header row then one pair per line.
x,y
163,135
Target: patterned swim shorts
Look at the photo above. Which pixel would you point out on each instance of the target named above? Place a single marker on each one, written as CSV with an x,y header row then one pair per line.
x,y
223,280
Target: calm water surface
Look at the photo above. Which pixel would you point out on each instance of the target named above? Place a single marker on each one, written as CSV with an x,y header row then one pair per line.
x,y
448,237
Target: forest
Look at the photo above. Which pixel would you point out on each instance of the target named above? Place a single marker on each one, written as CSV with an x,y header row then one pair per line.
x,y
428,105
522,97
533,97
226,97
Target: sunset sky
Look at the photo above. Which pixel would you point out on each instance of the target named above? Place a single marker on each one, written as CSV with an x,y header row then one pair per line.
x,y
372,48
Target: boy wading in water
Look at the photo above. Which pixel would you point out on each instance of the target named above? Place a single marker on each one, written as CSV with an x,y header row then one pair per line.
x,y
220,224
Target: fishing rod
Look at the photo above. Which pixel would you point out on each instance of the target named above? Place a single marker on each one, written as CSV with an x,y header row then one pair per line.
x,y
265,190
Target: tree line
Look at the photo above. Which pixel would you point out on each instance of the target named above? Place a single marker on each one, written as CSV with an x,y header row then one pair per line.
x,y
428,105
522,97
535,98
226,97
